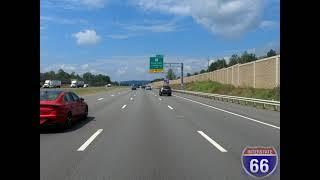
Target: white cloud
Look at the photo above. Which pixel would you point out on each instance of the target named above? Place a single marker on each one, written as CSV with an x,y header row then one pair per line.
x,y
73,4
141,70
119,36
251,50
267,25
122,70
84,66
94,3
228,18
152,25
153,28
56,67
62,20
87,37
187,68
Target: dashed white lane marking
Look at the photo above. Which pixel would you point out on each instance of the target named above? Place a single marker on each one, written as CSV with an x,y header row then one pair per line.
x,y
100,99
86,144
212,141
170,107
160,99
229,112
112,95
131,99
124,106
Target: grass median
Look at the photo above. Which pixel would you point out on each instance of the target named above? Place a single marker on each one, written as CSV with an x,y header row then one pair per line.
x,y
225,89
92,90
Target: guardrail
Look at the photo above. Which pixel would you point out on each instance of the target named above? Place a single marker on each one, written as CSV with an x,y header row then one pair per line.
x,y
234,99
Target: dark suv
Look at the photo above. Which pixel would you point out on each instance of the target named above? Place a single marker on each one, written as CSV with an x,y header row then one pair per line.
x,y
165,90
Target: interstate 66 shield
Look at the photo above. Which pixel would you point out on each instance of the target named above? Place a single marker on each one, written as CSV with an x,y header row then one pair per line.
x,y
259,162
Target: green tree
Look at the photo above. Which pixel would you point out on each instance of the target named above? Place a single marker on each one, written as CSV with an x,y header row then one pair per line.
x,y
246,57
62,76
171,75
202,71
220,63
234,59
158,79
188,74
195,73
271,53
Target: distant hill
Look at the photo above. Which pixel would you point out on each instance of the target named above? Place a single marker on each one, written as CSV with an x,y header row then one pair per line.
x,y
135,82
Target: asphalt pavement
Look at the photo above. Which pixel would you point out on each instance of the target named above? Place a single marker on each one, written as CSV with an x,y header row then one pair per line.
x,y
141,135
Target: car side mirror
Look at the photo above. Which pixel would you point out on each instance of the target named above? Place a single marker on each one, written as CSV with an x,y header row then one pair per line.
x,y
81,99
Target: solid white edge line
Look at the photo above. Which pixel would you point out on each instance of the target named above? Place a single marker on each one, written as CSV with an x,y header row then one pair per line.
x,y
100,99
212,141
86,144
170,107
229,112
123,106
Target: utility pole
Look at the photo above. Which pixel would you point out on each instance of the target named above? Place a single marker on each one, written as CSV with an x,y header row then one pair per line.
x,y
181,66
182,76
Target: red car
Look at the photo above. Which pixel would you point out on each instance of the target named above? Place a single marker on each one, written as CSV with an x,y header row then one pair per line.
x,y
61,108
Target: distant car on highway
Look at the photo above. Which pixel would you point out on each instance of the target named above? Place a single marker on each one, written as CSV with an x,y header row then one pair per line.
x,y
133,87
148,88
52,84
86,85
165,89
76,83
108,85
61,108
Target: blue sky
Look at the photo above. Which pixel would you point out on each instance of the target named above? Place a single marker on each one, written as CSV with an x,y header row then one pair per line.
x,y
117,37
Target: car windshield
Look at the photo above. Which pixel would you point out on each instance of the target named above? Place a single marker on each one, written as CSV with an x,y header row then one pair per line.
x,y
166,87
49,95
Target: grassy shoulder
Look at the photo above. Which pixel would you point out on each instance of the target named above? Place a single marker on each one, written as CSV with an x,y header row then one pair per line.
x,y
225,89
92,90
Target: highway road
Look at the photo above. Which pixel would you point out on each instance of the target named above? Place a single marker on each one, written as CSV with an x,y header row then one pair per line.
x,y
141,135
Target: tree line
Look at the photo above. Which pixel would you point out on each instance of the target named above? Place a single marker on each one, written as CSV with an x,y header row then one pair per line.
x,y
65,78
245,57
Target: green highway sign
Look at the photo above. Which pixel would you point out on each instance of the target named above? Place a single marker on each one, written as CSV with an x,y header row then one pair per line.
x,y
156,64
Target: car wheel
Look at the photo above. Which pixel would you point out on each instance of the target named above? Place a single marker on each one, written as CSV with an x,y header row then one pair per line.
x,y
85,116
68,122
169,94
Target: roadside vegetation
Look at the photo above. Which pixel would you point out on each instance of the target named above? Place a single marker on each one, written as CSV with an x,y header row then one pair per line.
x,y
226,89
92,90
65,78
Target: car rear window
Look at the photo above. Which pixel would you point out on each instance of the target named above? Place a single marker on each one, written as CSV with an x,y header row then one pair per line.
x,y
166,87
49,95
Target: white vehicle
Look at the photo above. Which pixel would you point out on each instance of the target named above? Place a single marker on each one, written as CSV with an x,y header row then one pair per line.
x,y
86,85
76,84
148,88
52,84
108,85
